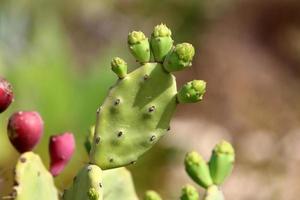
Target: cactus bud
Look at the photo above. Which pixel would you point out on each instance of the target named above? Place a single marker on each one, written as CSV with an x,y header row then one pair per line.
x,y
213,193
6,94
161,42
139,46
61,149
119,66
192,92
221,162
152,195
25,130
180,58
189,192
197,169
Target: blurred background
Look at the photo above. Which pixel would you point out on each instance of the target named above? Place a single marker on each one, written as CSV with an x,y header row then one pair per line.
x,y
57,56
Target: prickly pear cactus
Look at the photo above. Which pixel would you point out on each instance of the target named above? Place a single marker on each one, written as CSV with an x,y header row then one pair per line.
x,y
87,185
138,109
32,180
118,184
213,193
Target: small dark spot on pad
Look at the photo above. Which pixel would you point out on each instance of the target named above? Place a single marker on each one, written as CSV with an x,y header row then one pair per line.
x,y
120,133
152,138
97,140
117,102
151,109
146,77
22,159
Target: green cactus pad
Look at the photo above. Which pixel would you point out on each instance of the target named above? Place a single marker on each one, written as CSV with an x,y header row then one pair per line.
x,y
221,162
152,195
118,183
180,58
139,46
197,169
213,193
134,116
87,185
161,42
32,180
119,66
189,192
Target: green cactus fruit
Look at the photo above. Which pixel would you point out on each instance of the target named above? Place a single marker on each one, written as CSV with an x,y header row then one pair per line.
x,y
118,183
192,91
119,66
87,185
152,195
198,169
135,114
221,162
139,46
161,42
180,57
89,139
213,193
189,192
32,180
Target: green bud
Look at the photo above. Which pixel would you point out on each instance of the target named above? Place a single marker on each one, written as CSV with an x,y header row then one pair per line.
x,y
213,193
180,58
89,139
197,169
192,92
139,46
161,42
221,162
152,195
93,194
189,192
119,66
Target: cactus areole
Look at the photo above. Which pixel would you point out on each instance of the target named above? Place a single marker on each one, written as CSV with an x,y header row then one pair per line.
x,y
138,108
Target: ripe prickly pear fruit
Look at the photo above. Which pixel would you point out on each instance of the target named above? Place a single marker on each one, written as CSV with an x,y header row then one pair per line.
x,y
119,66
6,94
25,130
161,42
221,162
61,149
192,91
198,169
139,46
180,58
152,195
189,192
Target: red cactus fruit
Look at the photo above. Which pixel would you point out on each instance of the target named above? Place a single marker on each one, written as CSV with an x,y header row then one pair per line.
x,y
61,149
6,94
25,130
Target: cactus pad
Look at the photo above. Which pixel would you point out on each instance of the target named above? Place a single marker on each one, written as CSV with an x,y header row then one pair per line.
x,y
138,109
118,184
87,185
32,180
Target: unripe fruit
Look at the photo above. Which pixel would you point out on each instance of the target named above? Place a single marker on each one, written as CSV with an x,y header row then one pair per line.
x,y
189,192
25,130
152,195
6,94
61,149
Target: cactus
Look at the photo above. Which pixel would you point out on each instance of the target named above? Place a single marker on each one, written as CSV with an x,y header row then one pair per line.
x,y
61,149
87,185
221,162
118,184
213,193
25,130
32,180
189,192
138,109
152,195
6,94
